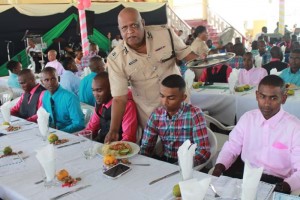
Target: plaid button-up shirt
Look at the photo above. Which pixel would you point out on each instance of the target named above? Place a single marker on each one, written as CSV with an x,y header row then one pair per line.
x,y
187,123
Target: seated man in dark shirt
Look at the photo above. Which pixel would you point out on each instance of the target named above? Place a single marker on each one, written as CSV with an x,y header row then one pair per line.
x,y
218,73
31,99
275,62
100,120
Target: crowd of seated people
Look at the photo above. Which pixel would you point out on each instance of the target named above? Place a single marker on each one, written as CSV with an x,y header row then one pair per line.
x,y
62,91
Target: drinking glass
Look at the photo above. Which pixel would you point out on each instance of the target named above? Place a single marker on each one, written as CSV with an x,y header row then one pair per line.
x,y
86,143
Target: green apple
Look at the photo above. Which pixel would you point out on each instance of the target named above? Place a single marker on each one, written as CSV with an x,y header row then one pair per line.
x,y
239,89
52,138
5,124
7,150
176,191
290,92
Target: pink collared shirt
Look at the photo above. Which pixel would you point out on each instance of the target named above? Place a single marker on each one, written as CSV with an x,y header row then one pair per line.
x,y
273,144
252,76
129,122
15,110
56,65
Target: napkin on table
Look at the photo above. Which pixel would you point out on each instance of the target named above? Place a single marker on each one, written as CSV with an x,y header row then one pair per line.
x,y
275,72
5,110
251,180
258,61
186,153
233,79
193,189
189,77
46,157
43,121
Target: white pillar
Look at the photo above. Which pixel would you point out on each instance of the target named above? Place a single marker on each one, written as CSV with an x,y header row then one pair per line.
x,y
281,26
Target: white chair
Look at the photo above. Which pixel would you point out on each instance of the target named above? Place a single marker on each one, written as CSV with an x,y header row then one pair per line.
x,y
139,134
222,138
213,149
6,96
211,120
87,111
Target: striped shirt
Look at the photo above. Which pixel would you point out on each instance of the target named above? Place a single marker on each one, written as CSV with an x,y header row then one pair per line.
x,y
187,123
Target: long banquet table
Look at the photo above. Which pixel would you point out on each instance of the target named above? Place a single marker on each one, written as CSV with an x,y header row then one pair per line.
x,y
18,181
225,106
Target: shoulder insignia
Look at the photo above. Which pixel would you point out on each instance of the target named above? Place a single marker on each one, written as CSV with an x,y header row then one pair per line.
x,y
116,52
149,35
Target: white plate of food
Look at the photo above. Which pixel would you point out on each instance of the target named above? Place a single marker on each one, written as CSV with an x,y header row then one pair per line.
x,y
119,149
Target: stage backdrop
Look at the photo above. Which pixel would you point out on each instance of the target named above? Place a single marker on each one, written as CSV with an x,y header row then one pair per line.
x,y
42,19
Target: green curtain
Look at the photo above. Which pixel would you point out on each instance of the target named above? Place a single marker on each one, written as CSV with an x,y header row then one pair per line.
x,y
47,38
102,41
98,38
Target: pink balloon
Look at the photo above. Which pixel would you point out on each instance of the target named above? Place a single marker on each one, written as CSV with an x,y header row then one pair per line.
x,y
86,3
80,7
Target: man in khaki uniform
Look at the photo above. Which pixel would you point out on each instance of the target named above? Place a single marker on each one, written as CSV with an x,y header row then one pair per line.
x,y
144,59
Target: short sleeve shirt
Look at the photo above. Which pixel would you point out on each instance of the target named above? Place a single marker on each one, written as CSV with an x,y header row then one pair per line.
x,y
145,71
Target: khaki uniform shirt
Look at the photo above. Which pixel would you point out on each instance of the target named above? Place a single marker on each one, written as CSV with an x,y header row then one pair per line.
x,y
145,71
199,47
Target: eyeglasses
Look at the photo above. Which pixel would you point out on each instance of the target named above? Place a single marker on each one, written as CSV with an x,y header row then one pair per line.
x,y
133,26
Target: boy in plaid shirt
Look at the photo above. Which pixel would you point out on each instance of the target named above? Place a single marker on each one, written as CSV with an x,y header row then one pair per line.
x,y
175,122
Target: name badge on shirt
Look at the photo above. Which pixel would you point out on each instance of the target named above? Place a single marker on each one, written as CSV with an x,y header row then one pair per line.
x,y
132,62
160,48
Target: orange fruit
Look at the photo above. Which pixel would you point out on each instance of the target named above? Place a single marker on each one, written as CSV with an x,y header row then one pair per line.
x,y
109,159
62,174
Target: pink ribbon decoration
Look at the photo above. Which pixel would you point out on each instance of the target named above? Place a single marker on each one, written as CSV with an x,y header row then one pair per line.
x,y
82,5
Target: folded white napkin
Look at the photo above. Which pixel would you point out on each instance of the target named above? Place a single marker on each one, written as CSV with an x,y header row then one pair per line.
x,y
43,121
193,189
189,77
275,72
46,157
233,79
186,153
251,180
258,61
5,110
283,47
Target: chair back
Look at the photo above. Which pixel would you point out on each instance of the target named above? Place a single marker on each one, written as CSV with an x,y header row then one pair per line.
x,y
87,111
213,143
211,120
213,149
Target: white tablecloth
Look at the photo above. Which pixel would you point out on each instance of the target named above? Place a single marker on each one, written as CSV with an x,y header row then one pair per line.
x,y
18,182
224,106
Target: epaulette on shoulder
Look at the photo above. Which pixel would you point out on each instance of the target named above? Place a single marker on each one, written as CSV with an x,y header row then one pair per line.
x,y
116,51
156,27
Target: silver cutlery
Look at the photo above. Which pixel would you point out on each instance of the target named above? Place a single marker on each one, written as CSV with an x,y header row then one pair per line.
x,y
15,120
245,93
166,176
214,190
26,124
63,146
40,181
70,192
139,164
